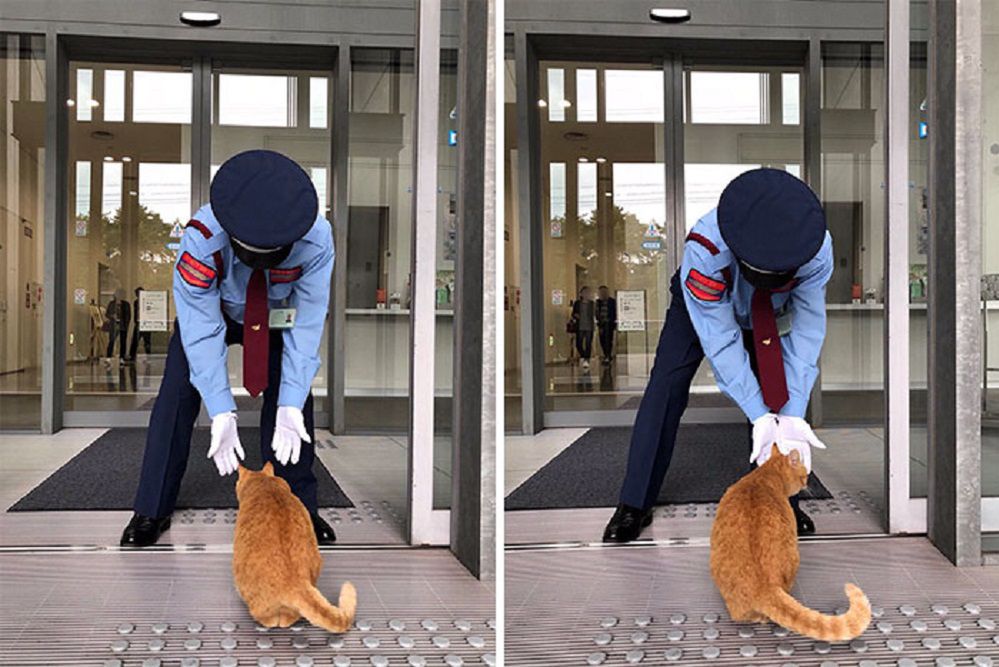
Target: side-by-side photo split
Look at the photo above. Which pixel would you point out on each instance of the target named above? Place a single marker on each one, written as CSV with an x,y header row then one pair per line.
x,y
413,333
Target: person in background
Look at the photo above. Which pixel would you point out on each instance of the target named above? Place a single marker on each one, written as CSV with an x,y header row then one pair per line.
x,y
118,314
583,313
606,321
146,336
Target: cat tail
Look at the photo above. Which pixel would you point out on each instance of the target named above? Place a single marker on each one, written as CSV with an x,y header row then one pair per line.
x,y
791,614
311,604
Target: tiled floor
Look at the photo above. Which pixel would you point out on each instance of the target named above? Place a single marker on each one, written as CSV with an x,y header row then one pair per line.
x,y
653,605
151,609
851,468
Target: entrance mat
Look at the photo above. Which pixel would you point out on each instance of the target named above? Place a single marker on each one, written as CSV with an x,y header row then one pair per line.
x,y
104,476
707,459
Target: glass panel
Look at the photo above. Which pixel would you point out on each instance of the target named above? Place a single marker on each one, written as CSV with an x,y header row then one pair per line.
x,y
257,100
604,197
790,90
161,97
556,99
22,196
114,95
918,255
447,257
727,131
131,184
633,96
728,97
990,258
511,255
586,94
379,240
249,100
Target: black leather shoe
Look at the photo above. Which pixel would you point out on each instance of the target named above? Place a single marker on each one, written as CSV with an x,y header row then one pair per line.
x,y
324,532
805,524
626,524
144,531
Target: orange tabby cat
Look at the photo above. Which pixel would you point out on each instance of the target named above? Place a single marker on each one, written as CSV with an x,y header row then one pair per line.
x,y
276,559
754,555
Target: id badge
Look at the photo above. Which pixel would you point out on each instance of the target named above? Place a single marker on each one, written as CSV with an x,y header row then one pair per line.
x,y
282,318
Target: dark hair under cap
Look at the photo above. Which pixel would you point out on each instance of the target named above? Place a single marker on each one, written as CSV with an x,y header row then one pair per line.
x,y
771,220
264,199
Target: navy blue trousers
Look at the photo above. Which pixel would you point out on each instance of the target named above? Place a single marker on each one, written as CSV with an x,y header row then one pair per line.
x,y
678,356
168,440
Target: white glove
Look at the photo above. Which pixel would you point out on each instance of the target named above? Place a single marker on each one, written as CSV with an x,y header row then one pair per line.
x,y
225,445
289,432
795,433
764,437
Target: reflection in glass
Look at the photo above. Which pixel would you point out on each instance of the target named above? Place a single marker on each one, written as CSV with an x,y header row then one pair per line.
x,y
728,97
22,188
130,182
633,96
262,109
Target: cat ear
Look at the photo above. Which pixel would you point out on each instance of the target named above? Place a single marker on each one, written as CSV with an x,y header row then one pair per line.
x,y
795,457
268,469
242,471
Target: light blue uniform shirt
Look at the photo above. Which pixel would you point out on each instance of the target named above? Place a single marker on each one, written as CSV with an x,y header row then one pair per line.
x,y
199,309
719,323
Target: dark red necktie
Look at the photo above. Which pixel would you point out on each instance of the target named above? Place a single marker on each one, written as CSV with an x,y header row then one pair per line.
x,y
256,334
769,359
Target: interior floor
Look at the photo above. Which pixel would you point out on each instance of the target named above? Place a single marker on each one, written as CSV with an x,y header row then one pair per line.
x,y
371,470
657,604
852,468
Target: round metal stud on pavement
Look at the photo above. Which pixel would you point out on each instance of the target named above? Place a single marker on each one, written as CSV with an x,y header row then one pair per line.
x,y
125,628
416,661
406,642
634,657
639,637
119,646
397,625
602,639
642,621
711,652
228,661
453,660
227,627
711,634
608,622
596,658
341,661
475,641
748,651
378,661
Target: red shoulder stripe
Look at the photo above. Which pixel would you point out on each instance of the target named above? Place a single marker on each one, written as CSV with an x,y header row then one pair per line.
x,y
200,226
286,275
704,241
204,271
700,293
705,281
190,278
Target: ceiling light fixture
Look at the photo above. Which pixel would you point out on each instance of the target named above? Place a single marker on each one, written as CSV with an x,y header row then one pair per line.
x,y
108,158
542,103
71,103
126,158
669,15
566,103
583,159
200,19
601,160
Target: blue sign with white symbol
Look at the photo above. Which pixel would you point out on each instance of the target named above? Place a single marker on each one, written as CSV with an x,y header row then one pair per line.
x,y
173,246
652,245
452,137
924,129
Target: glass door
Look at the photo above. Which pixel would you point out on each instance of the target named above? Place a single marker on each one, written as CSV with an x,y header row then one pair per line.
x,y
129,172
606,230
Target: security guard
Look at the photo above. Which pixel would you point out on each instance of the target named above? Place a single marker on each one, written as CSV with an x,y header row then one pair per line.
x,y
253,268
749,295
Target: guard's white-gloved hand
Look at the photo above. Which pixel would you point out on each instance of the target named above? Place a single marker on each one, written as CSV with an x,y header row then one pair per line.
x,y
225,445
289,432
764,436
795,433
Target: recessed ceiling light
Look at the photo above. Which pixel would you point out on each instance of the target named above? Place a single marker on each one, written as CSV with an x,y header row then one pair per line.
x,y
601,160
542,103
126,158
583,159
108,158
71,103
566,103
132,192
200,19
670,15
94,103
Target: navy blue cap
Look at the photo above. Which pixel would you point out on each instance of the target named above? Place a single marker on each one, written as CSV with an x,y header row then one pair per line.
x,y
264,199
771,220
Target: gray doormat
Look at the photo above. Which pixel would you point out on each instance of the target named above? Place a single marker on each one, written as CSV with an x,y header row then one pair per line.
x,y
104,476
707,459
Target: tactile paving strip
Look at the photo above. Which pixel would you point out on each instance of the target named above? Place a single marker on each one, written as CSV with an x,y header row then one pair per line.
x,y
658,605
366,511
149,609
842,502
378,642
